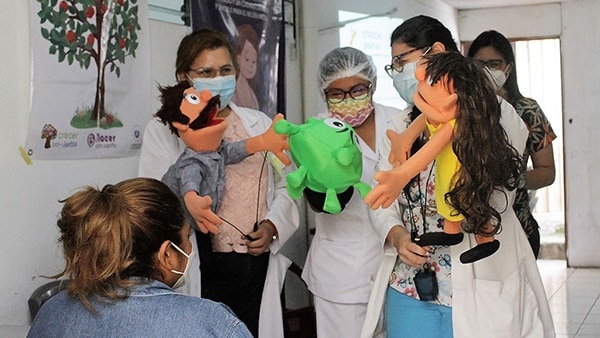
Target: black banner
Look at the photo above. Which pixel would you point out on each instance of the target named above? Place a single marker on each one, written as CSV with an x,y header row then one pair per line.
x,y
255,30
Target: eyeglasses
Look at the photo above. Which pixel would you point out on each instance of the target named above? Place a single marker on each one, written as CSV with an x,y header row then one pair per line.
x,y
397,62
493,64
358,92
210,72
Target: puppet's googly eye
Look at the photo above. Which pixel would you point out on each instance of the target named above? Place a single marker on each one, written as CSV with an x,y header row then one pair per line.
x,y
192,98
335,123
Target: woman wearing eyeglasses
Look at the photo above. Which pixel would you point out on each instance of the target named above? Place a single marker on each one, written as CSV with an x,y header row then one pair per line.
x,y
345,251
492,50
426,291
234,270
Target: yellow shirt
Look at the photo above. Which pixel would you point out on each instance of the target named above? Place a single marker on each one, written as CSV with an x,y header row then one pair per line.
x,y
446,166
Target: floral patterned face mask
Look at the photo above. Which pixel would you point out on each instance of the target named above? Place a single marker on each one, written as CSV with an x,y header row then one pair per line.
x,y
354,112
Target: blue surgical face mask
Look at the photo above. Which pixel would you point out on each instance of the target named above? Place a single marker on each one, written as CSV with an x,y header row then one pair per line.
x,y
405,82
220,85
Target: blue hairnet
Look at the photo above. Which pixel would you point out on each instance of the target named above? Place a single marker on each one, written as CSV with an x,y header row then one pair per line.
x,y
345,62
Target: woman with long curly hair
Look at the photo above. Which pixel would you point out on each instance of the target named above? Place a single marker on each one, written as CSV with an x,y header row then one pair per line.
x,y
474,156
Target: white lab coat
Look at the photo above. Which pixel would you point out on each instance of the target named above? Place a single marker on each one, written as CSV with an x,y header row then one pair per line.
x,y
160,149
499,296
346,251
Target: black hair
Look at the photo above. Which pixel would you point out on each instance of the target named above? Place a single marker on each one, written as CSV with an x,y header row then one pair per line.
x,y
423,31
501,44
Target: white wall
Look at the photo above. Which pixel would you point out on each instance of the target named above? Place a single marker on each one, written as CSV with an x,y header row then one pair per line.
x,y
576,24
580,46
547,21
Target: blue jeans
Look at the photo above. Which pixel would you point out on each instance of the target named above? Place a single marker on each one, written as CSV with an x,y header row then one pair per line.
x,y
410,317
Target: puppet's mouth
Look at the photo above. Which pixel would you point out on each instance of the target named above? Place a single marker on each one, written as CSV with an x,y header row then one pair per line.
x,y
208,115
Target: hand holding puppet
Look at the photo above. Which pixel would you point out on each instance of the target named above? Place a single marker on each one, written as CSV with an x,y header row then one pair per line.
x,y
472,153
198,175
329,162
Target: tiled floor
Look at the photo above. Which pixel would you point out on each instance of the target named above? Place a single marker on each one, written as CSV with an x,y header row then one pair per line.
x,y
574,297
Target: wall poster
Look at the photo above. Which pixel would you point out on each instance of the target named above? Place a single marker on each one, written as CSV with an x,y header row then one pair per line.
x,y
90,80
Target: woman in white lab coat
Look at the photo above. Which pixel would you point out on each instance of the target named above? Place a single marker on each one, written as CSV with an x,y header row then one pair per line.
x,y
345,251
204,58
500,296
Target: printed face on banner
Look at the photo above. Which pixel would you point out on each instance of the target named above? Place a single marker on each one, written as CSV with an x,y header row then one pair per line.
x,y
254,28
247,61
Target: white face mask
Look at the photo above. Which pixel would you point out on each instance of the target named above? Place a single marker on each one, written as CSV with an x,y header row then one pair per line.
x,y
181,281
498,77
406,83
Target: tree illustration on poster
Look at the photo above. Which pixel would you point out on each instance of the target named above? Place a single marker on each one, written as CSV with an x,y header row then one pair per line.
x,y
102,32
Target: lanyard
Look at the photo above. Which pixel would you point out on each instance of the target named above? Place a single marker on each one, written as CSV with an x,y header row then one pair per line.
x,y
422,199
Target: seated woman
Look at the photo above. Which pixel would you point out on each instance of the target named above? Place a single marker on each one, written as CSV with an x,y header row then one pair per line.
x,y
126,247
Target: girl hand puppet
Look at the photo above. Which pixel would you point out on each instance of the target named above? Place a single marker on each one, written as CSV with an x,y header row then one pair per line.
x,y
461,114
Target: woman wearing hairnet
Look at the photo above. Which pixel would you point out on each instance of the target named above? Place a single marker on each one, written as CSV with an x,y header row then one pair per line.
x,y
345,251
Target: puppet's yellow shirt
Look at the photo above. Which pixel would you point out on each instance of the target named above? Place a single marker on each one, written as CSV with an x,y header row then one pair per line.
x,y
446,166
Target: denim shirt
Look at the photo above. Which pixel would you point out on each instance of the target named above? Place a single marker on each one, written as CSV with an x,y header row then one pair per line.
x,y
152,309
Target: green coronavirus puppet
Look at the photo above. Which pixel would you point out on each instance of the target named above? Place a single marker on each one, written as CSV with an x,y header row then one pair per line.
x,y
329,163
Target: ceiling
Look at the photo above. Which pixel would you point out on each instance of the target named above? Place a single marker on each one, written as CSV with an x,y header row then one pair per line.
x,y
475,4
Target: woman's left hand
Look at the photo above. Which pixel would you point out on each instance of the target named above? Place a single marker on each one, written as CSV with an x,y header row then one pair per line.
x,y
263,237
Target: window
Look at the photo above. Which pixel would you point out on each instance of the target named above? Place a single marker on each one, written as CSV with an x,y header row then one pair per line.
x,y
167,11
372,36
538,65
